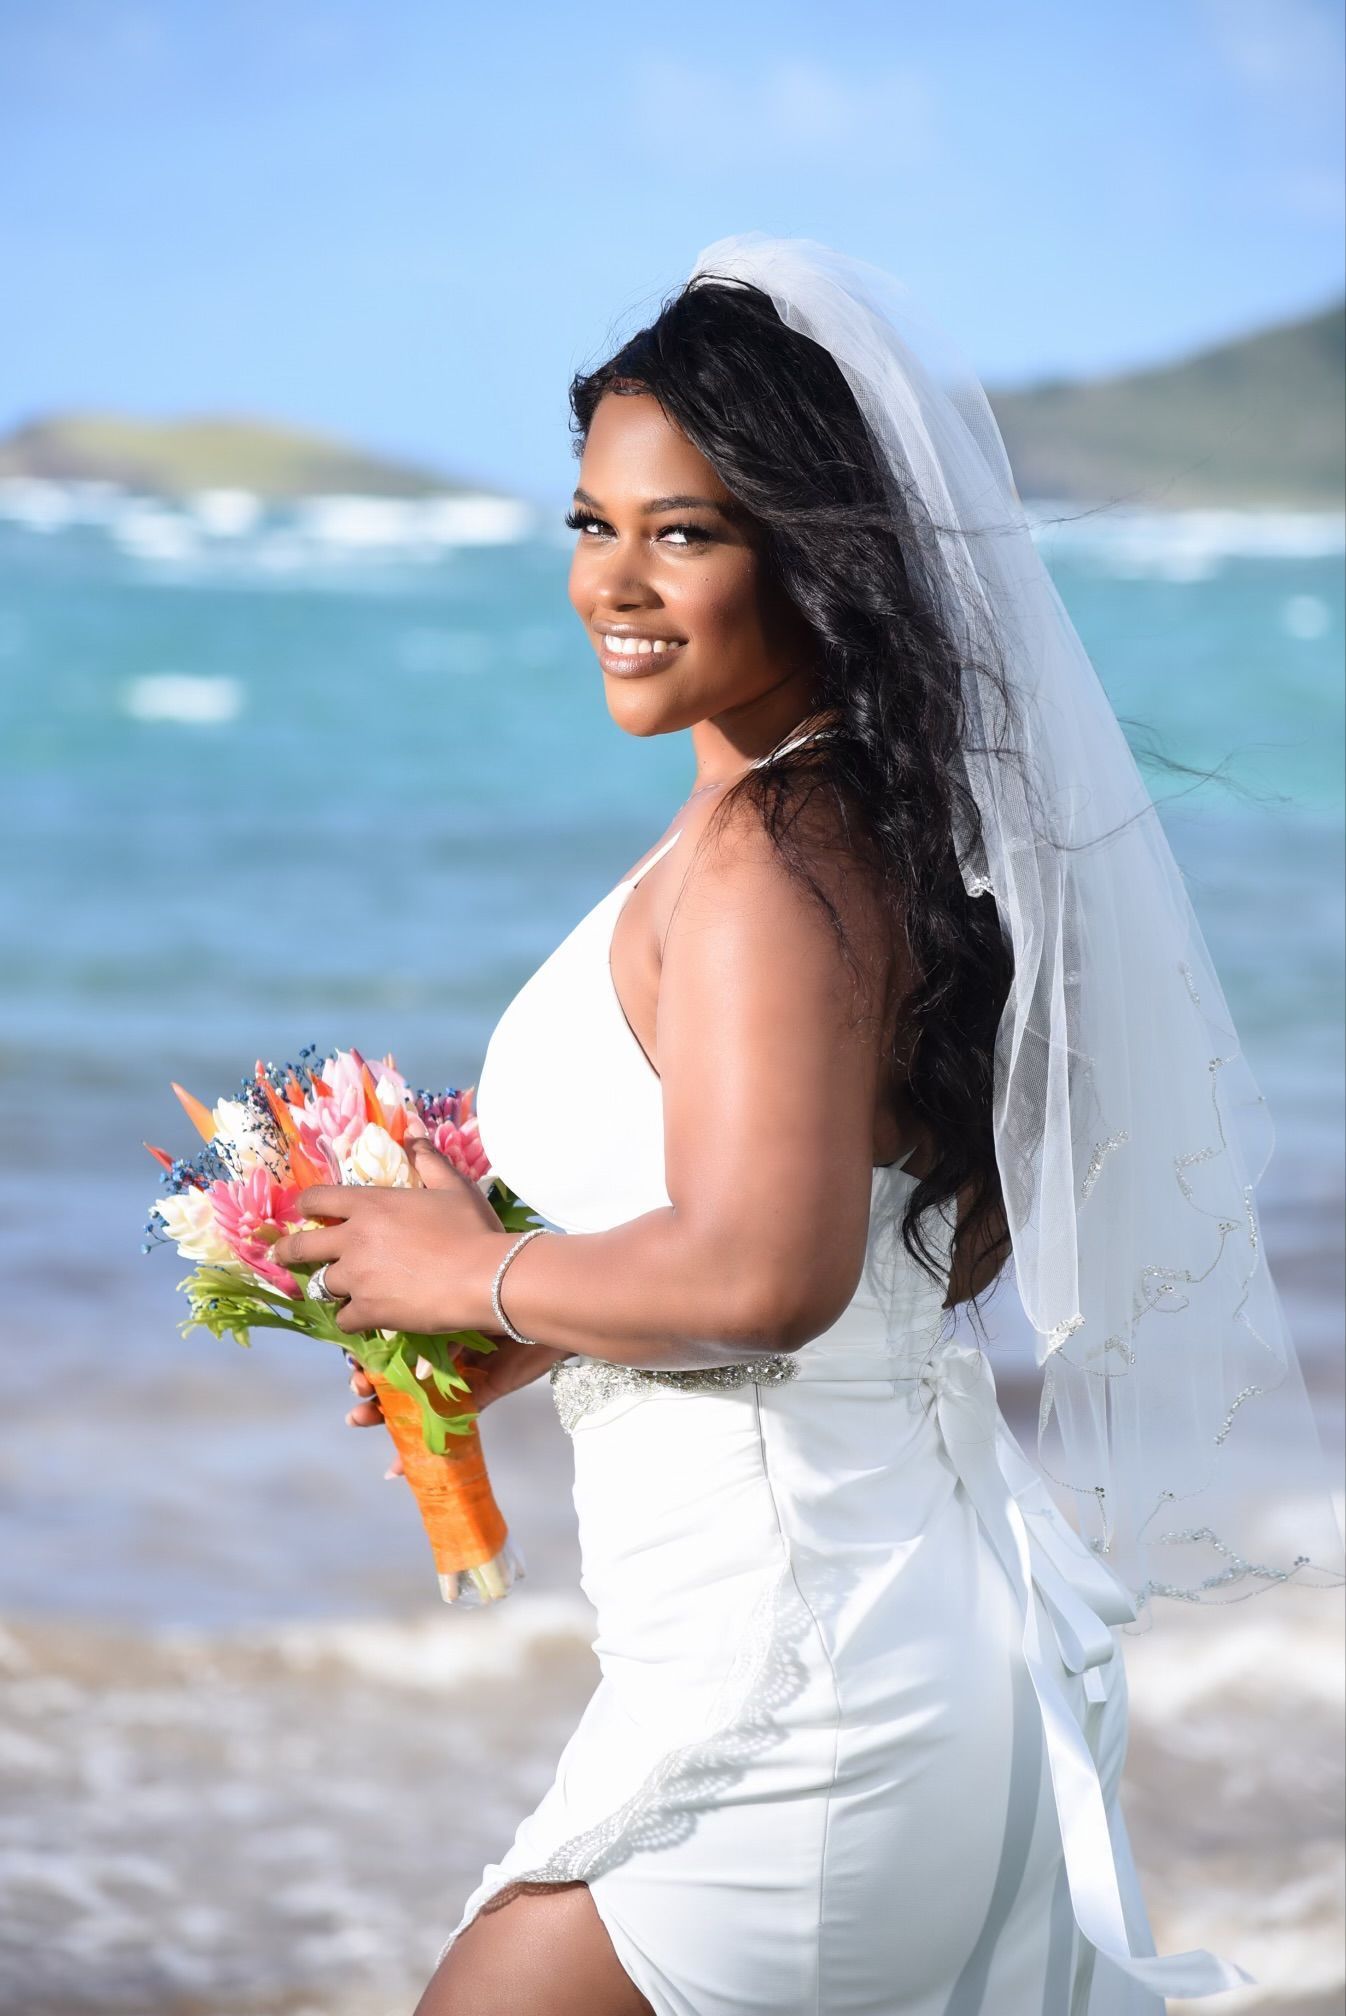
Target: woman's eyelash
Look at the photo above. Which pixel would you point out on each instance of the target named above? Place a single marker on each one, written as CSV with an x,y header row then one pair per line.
x,y
577,520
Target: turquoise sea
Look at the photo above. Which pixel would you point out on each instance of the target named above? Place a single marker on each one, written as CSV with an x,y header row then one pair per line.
x,y
345,775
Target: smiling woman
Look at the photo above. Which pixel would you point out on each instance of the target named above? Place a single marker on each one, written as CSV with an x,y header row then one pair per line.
x,y
689,598
858,1738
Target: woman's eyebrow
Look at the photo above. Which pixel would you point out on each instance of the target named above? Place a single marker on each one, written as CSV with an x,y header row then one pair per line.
x,y
652,504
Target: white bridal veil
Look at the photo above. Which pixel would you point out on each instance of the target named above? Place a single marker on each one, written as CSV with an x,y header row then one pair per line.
x,y
1130,1133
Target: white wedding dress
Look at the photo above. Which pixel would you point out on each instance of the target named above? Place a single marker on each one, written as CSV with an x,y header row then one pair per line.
x,y
828,1767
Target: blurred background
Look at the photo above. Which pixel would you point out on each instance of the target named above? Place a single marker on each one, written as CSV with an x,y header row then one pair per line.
x,y
300,742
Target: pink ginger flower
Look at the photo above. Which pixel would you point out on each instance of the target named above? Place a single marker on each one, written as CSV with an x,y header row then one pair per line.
x,y
252,1212
342,1073
462,1145
329,1128
456,1106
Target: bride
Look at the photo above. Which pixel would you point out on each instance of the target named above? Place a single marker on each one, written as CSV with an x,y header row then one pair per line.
x,y
908,985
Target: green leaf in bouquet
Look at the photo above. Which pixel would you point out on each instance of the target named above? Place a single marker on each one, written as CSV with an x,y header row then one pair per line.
x,y
436,1428
473,1340
444,1374
224,1302
227,1302
510,1209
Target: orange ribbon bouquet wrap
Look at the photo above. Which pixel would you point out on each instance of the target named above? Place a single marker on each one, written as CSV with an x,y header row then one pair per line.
x,y
344,1122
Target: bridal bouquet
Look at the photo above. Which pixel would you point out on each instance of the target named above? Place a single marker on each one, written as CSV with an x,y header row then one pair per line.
x,y
343,1122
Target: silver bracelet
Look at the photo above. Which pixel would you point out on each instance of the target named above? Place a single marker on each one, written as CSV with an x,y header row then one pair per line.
x,y
501,1317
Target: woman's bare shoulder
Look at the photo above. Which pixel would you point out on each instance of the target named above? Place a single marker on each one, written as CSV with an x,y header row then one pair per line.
x,y
731,839
815,877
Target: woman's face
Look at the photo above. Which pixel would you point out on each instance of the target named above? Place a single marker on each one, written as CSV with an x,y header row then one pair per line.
x,y
664,552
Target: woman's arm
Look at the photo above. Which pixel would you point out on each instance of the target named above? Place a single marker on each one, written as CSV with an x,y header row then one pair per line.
x,y
769,1057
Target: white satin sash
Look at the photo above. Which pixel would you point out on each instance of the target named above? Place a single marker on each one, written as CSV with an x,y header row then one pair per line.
x,y
1083,1599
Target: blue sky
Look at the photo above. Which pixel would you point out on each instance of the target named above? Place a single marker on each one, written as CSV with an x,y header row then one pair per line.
x,y
411,222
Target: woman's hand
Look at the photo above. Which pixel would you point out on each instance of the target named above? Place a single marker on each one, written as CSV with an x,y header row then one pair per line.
x,y
419,1260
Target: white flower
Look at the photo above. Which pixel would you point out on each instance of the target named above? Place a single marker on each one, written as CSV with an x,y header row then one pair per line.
x,y
246,1138
390,1086
190,1220
376,1160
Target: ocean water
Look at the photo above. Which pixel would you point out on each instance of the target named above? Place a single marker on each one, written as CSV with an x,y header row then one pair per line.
x,y
345,775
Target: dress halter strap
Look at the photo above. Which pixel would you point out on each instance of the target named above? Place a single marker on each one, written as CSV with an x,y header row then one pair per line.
x,y
785,747
630,881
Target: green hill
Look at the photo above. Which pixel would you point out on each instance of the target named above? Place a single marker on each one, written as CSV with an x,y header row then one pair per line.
x,y
1258,421
209,452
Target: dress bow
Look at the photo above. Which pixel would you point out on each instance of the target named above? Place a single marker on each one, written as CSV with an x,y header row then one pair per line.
x,y
956,1372
1082,1600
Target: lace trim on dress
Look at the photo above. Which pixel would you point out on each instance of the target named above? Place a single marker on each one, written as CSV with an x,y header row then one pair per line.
x,y
765,1674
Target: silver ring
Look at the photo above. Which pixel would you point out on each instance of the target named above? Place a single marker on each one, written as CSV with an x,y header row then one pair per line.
x,y
318,1290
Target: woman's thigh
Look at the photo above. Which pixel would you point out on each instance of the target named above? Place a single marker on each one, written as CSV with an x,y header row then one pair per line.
x,y
544,1950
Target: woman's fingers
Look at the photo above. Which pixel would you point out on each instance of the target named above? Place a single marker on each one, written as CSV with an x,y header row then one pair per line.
x,y
366,1413
306,1249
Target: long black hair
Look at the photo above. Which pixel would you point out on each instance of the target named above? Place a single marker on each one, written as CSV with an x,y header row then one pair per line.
x,y
772,413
